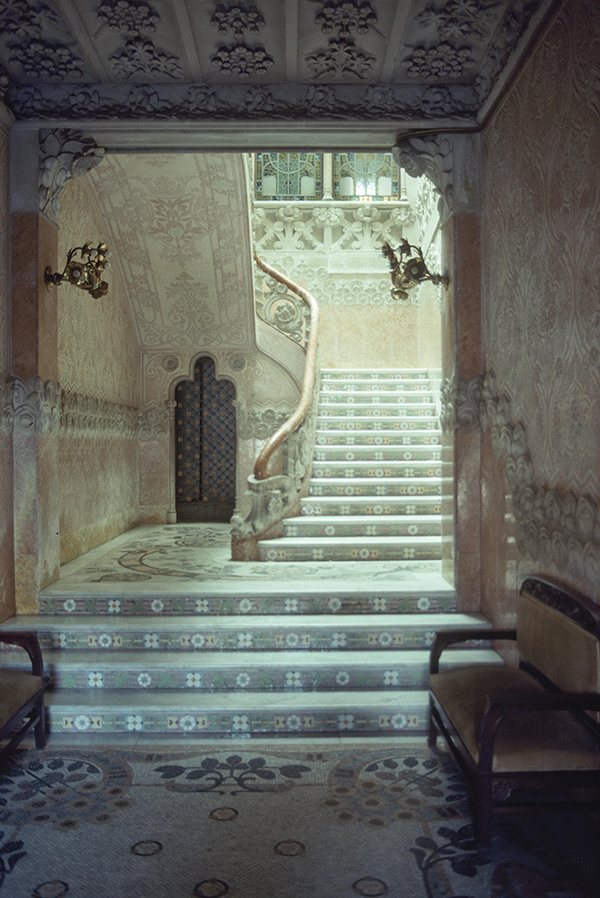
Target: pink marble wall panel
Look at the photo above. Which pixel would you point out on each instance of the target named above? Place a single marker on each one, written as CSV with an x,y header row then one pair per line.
x,y
541,275
7,576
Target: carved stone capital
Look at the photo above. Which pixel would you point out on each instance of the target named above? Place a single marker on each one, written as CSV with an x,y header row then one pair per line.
x,y
30,406
450,161
64,154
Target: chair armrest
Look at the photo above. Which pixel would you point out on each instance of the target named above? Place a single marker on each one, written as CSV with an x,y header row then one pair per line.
x,y
498,707
30,643
445,638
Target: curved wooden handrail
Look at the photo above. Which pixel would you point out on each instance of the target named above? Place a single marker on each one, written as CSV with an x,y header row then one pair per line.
x,y
296,418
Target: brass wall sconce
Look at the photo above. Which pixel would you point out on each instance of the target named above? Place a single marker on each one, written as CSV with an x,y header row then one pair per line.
x,y
408,272
84,272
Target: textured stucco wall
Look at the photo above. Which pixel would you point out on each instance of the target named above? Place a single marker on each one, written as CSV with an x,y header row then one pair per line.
x,y
541,317
7,582
98,361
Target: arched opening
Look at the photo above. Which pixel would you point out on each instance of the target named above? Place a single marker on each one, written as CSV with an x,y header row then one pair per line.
x,y
205,446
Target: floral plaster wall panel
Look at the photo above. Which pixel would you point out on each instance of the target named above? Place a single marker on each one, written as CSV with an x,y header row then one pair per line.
x,y
183,225
541,257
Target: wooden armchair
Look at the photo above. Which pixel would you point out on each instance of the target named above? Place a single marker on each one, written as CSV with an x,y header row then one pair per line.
x,y
21,696
528,733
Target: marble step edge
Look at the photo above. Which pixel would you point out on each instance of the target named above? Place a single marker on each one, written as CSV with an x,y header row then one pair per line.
x,y
235,672
385,599
241,715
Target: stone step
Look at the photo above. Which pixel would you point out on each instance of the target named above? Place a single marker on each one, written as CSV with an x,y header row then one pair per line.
x,y
374,452
244,671
350,374
374,437
355,548
376,468
365,486
370,505
331,596
379,421
330,396
209,633
417,411
363,525
237,715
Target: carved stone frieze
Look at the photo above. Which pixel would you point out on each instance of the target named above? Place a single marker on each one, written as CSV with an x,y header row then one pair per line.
x,y
461,401
21,19
190,102
30,406
341,58
345,18
64,154
457,20
88,416
296,227
154,422
284,311
558,529
40,60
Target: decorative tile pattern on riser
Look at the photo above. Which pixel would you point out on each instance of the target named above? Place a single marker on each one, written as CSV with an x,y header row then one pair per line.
x,y
290,604
392,486
374,396
379,438
319,714
373,453
376,548
376,468
371,505
240,672
363,525
235,634
377,423
381,410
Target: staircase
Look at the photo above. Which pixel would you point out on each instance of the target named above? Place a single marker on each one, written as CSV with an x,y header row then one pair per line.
x,y
316,647
375,490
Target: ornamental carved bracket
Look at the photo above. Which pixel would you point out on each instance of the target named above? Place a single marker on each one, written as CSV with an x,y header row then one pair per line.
x,y
64,154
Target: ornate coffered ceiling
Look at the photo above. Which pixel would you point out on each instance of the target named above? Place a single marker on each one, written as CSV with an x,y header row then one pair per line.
x,y
408,61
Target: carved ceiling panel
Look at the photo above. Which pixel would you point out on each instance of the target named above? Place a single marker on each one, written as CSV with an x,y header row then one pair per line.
x,y
286,59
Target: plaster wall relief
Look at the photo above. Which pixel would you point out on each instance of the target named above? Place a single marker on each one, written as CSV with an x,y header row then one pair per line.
x,y
541,239
98,362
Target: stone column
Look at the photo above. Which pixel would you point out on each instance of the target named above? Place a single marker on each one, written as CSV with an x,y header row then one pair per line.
x,y
41,162
452,162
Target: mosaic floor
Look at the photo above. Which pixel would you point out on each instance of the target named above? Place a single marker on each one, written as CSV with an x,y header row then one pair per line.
x,y
270,821
188,558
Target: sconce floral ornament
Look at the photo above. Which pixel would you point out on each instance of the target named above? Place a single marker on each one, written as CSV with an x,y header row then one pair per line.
x,y
84,272
408,273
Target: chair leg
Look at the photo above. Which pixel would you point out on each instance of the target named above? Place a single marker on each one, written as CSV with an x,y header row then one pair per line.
x,y
433,732
483,813
40,728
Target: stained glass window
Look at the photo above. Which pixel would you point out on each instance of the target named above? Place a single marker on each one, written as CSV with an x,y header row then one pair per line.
x,y
288,177
365,176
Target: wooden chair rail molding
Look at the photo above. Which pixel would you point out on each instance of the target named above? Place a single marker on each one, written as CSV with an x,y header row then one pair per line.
x,y
298,416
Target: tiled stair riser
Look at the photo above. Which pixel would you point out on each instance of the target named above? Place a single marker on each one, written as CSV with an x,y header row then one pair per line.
x,y
288,604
